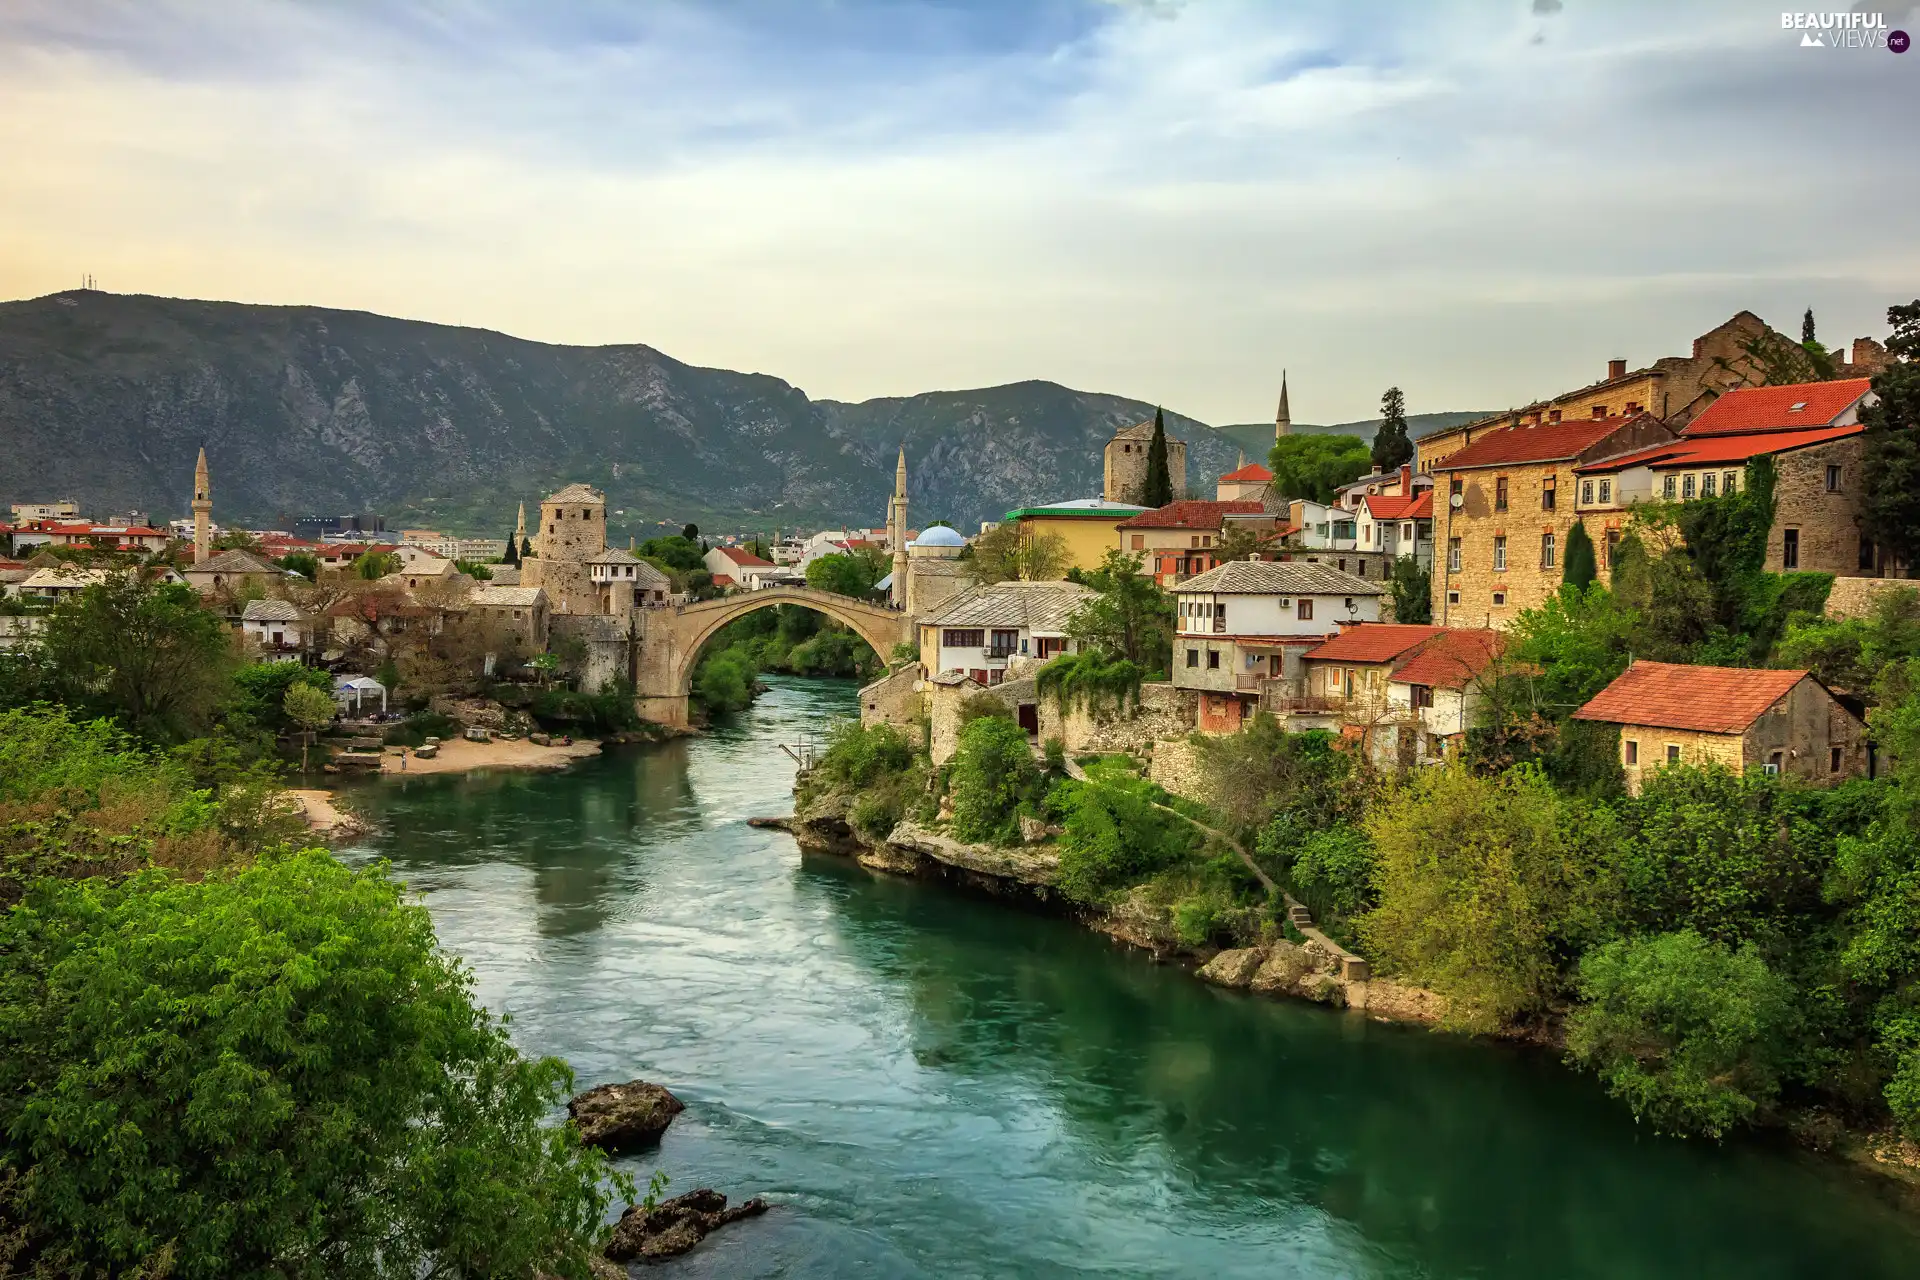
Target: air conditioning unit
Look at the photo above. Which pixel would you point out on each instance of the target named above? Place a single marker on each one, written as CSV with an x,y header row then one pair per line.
x,y
1770,768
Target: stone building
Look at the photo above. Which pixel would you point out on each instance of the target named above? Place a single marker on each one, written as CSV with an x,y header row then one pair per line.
x,y
1125,468
1784,722
935,571
517,615
573,530
1504,505
1181,539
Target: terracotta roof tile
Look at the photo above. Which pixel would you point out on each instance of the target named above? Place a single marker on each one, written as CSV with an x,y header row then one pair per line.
x,y
741,556
1252,473
1669,695
1190,513
1772,408
1373,642
1547,442
1712,450
1450,659
1400,507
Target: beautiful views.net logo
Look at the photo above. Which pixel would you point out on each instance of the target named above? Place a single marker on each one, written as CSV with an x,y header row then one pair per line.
x,y
1845,31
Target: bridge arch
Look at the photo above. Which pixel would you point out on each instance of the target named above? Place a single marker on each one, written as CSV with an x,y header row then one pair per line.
x,y
673,638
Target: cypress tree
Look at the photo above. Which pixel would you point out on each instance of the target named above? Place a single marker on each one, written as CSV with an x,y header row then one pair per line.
x,y
1890,446
1580,569
1159,487
1806,326
513,551
1391,445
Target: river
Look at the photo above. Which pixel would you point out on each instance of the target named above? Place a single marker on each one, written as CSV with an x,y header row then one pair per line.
x,y
933,1085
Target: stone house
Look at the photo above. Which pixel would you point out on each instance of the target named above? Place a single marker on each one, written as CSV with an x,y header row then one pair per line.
x,y
1124,470
622,581
425,572
1407,693
275,626
231,571
1240,631
573,530
1180,539
1812,431
518,614
1088,526
1435,695
1785,722
58,581
1398,526
935,571
1509,501
1346,678
983,631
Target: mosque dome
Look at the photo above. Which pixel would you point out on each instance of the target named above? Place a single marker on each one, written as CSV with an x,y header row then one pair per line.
x,y
940,536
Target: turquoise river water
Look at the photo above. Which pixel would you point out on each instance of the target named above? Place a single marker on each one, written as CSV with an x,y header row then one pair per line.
x,y
932,1085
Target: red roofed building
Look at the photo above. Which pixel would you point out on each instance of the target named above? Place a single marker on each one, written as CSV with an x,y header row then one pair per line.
x,y
1180,539
1246,483
1408,693
1793,407
85,533
1781,721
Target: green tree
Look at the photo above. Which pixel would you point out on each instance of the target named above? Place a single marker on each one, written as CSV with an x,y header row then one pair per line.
x,y
1806,327
1158,490
302,563
1850,653
274,1072
1480,883
474,569
312,710
1391,445
260,691
1315,466
1128,615
677,554
371,565
513,552
144,652
1412,586
848,573
1571,646
1890,452
993,778
1579,568
1006,553
691,533
724,681
1112,837
1693,1034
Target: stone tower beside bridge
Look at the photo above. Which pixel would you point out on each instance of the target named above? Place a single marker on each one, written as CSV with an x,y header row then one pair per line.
x,y
573,530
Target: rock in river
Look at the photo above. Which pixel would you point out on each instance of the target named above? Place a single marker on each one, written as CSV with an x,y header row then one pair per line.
x,y
616,1117
1233,968
674,1226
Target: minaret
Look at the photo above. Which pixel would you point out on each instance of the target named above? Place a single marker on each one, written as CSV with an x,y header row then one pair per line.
x,y
520,531
1283,420
202,512
897,532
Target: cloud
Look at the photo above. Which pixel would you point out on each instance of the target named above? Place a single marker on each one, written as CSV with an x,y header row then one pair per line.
x,y
1169,201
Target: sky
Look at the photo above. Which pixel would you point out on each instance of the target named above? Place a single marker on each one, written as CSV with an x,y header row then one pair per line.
x,y
1167,199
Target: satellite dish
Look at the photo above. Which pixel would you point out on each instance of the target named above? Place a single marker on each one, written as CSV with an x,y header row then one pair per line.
x,y
1457,501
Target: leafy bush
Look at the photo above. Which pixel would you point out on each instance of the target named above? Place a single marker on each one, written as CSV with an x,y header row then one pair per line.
x,y
1335,867
1092,677
261,691
274,1071
724,681
863,755
993,776
1112,837
1688,1031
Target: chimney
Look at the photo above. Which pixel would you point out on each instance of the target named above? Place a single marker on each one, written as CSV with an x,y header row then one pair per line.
x,y
1616,369
1406,480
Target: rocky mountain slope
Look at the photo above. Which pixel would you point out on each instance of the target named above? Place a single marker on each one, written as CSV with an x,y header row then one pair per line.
x,y
106,398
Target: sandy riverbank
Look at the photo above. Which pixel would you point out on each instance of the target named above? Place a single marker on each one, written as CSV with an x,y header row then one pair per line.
x,y
461,756
324,818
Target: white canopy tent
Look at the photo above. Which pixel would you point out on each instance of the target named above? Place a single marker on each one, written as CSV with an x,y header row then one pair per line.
x,y
351,692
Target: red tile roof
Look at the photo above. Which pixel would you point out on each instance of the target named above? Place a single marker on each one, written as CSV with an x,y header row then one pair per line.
x,y
1547,442
1670,695
1252,473
1690,451
1772,408
1450,659
741,556
1373,642
1400,507
1190,513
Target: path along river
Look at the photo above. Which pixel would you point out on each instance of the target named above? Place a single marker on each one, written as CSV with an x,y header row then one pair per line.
x,y
930,1084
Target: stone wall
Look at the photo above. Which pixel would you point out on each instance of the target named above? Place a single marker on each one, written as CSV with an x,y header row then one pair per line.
x,y
1163,711
945,700
1857,597
1828,522
895,698
607,656
1177,767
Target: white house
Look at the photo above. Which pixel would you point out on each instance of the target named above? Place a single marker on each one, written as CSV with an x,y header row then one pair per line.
x,y
983,629
1398,526
1437,693
59,581
276,626
732,566
1246,624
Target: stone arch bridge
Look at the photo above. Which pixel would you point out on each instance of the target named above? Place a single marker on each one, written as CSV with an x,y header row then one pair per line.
x,y
671,639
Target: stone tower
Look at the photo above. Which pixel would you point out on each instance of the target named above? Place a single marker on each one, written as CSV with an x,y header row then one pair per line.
x,y
1283,420
520,531
573,530
897,533
1124,475
202,512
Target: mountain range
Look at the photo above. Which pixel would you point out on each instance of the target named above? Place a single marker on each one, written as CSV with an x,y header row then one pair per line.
x,y
106,398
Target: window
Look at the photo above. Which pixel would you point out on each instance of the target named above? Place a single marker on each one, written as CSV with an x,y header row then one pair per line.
x,y
1500,493
1453,487
1213,659
1206,539
1833,479
1360,569
1348,604
1790,549
1422,695
1500,554
1193,657
1586,492
1667,487
1599,411
1686,487
1139,542
1546,551
1304,611
1773,763
1834,755
1673,753
1004,643
1453,555
1609,548
963,639
1453,597
1547,489
1706,485
1632,750
1406,533
1728,480
1499,597
1220,616
1606,491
